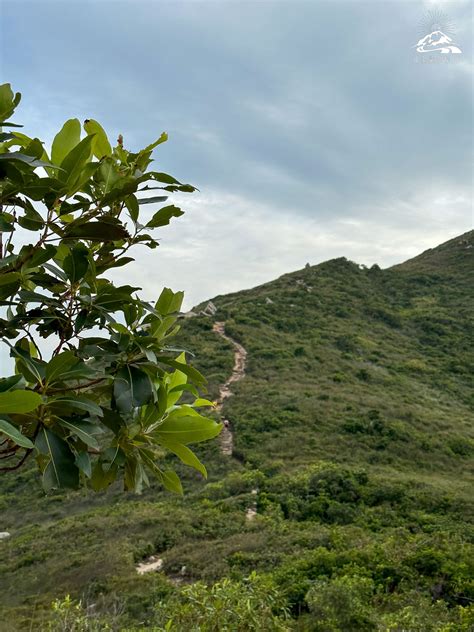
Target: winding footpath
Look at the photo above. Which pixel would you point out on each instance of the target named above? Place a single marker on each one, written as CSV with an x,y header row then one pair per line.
x,y
238,372
155,563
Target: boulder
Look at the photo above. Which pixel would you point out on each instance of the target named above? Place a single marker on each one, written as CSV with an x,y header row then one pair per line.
x,y
209,310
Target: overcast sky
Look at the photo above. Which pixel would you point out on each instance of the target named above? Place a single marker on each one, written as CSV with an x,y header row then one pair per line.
x,y
310,128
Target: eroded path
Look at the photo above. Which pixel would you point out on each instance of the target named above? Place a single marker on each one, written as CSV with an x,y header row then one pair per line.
x,y
154,563
238,372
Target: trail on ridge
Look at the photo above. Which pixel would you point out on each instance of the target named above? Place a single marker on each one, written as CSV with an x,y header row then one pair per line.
x,y
238,372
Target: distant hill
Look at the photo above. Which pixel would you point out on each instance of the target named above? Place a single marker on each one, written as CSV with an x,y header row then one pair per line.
x,y
353,438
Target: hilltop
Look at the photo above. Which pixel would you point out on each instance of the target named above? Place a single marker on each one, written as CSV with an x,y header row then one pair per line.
x,y
353,439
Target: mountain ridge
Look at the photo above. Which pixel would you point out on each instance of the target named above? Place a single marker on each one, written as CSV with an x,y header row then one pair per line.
x,y
464,241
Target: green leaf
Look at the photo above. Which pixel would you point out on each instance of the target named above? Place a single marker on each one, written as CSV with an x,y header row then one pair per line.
x,y
31,368
163,177
160,329
187,387
4,136
32,220
22,157
59,365
163,216
76,264
171,482
113,457
65,140
74,402
100,146
96,231
199,402
41,255
83,462
185,425
131,203
190,371
153,200
15,435
177,378
132,388
6,278
86,174
19,401
7,383
6,223
101,478
34,148
9,285
8,101
108,174
75,161
61,470
83,429
162,139
186,455
169,302
134,476
118,263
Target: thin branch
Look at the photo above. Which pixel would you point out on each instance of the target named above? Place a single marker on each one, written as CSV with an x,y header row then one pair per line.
x,y
78,387
8,452
28,333
19,464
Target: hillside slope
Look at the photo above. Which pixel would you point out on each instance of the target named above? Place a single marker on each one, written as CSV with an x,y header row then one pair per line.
x,y
354,426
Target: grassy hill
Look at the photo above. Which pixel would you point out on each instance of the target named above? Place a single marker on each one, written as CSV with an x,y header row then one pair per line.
x,y
354,425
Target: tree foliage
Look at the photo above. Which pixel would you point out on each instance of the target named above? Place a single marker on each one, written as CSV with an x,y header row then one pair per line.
x,y
105,402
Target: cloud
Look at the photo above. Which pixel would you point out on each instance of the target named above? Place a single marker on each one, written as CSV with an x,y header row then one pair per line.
x,y
225,243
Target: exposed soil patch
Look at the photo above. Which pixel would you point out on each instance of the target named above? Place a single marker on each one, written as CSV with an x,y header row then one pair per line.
x,y
153,563
252,508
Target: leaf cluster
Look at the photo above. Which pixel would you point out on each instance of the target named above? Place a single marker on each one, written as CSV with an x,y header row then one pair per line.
x,y
105,402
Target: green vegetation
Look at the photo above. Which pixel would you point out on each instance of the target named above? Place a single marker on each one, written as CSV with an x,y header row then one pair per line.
x,y
354,425
103,403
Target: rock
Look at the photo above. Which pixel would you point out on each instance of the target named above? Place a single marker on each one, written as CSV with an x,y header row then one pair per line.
x,y
153,563
4,535
268,301
209,310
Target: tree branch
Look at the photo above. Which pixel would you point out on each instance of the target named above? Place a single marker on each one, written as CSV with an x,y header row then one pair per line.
x,y
78,387
19,464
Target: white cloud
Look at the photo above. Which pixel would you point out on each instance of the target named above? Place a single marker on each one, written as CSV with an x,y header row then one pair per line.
x,y
225,243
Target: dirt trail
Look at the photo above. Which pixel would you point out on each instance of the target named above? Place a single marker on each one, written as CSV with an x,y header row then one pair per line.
x,y
155,563
238,372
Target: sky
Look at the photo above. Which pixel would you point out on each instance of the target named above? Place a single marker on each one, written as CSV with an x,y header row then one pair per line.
x,y
311,129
